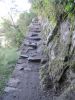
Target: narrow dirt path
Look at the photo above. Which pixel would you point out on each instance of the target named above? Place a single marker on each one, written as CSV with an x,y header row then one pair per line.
x,y
25,83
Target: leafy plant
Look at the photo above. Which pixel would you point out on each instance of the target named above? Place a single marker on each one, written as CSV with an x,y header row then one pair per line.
x,y
15,32
53,9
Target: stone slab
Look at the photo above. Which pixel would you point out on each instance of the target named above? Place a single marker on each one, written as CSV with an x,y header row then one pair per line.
x,y
23,56
35,38
10,89
34,45
34,34
13,82
27,69
34,59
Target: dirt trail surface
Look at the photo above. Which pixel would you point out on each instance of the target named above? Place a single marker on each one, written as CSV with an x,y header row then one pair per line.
x,y
25,83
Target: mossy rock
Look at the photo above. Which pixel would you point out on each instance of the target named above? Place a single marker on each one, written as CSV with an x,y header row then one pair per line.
x,y
44,77
55,70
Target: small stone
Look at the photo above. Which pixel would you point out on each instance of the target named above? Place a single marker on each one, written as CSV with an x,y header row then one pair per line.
x,y
13,82
24,56
27,69
10,89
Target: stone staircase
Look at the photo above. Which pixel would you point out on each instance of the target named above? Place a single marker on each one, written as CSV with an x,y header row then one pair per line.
x,y
24,83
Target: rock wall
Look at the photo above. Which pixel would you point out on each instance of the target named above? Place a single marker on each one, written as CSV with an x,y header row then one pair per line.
x,y
58,73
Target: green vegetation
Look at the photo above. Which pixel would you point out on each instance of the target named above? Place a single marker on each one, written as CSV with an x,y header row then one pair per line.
x,y
54,10
14,33
8,57
59,13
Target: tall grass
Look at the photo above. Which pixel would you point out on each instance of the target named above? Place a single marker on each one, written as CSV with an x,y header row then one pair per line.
x,y
8,57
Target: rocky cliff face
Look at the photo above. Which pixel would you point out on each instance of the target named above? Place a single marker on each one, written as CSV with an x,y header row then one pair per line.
x,y
58,73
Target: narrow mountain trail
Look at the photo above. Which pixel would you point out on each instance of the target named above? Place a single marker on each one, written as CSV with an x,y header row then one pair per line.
x,y
24,83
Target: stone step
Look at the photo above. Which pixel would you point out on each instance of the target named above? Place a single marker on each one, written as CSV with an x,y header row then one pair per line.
x,y
19,67
35,20
35,30
20,61
10,89
23,56
27,69
23,68
35,38
34,25
34,34
34,45
37,24
34,59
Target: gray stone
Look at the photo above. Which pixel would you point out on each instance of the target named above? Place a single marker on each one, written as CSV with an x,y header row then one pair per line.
x,y
72,75
33,27
10,89
73,82
30,83
34,34
20,61
24,56
34,59
13,82
34,38
34,45
30,48
20,68
27,69
35,30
